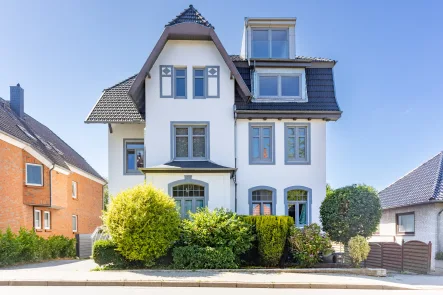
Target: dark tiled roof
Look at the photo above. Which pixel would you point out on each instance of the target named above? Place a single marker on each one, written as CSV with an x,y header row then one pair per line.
x,y
190,15
115,105
43,139
188,165
421,185
236,57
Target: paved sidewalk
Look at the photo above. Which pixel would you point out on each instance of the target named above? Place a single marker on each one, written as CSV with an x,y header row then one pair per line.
x,y
78,272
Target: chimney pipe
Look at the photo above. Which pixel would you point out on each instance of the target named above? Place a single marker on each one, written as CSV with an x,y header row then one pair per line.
x,y
17,100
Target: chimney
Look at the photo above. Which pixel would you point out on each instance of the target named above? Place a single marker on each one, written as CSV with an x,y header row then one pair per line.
x,y
17,100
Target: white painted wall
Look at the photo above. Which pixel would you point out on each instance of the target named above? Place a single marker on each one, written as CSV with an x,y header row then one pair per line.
x,y
281,176
117,180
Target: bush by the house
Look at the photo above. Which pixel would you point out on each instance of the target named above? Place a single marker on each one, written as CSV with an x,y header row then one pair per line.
x,y
27,246
350,211
143,223
358,250
307,244
272,233
104,253
439,255
195,257
217,229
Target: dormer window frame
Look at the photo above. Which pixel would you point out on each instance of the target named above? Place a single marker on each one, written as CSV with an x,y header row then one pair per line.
x,y
269,41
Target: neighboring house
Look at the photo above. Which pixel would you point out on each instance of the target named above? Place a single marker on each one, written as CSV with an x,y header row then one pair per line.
x,y
44,183
244,132
413,206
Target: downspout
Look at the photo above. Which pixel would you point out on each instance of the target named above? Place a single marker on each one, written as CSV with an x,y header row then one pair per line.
x,y
50,185
235,158
438,230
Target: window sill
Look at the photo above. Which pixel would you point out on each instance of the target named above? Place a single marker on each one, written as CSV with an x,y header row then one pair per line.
x,y
48,230
75,198
297,163
278,99
405,234
261,163
34,185
38,230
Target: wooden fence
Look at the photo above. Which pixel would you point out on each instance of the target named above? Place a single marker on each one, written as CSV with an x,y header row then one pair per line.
x,y
83,245
412,256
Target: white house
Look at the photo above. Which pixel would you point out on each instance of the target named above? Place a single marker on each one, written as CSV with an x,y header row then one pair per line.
x,y
245,132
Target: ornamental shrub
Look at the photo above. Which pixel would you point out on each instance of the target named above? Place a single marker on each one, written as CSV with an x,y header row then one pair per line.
x,y
196,257
307,244
272,233
143,222
439,255
218,229
105,254
350,211
358,250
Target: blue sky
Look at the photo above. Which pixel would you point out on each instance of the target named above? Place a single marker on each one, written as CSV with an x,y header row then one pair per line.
x,y
389,80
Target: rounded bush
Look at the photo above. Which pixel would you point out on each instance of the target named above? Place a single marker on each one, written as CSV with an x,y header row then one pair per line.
x,y
358,250
143,222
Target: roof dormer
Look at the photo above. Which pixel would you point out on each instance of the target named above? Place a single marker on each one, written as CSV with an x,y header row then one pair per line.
x,y
268,38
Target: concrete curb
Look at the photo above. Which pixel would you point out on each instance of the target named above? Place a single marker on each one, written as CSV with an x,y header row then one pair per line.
x,y
208,284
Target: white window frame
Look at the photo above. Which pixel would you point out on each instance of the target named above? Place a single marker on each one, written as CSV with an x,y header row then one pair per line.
x,y
269,30
74,189
47,226
76,223
279,95
39,214
26,176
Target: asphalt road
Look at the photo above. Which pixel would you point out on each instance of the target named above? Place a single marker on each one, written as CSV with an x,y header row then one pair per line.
x,y
189,291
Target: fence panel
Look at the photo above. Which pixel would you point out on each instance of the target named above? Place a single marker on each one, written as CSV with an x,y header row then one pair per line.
x,y
374,257
417,256
83,245
391,256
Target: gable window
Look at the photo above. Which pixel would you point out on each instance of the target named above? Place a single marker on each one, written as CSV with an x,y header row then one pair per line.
x,y
37,219
188,197
34,174
270,43
405,223
134,155
261,143
199,83
180,82
74,223
166,73
297,206
74,190
262,201
191,142
297,144
47,220
279,86
212,81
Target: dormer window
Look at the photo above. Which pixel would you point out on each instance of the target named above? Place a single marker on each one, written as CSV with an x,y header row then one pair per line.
x,y
270,43
279,86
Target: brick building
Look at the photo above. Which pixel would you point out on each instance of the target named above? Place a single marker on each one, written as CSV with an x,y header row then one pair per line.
x,y
44,183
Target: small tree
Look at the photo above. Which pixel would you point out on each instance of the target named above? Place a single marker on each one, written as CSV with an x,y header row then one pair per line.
x,y
358,250
350,211
143,223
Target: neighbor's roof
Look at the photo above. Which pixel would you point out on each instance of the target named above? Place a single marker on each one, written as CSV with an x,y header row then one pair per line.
x,y
190,15
422,185
41,139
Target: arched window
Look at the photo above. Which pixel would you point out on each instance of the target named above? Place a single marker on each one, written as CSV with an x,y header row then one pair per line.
x,y
298,205
262,201
188,197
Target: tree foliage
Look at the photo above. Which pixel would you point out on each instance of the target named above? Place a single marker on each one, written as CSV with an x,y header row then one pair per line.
x,y
358,250
350,211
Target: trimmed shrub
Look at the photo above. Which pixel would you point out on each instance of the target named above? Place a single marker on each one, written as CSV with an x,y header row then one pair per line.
x,y
195,257
307,244
350,211
143,223
358,250
61,246
10,248
104,253
218,229
272,233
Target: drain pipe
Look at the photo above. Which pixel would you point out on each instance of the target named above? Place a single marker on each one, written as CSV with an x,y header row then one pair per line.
x,y
235,158
438,230
50,185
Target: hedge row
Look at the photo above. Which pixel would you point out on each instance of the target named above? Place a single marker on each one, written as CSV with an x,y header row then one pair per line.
x,y
27,246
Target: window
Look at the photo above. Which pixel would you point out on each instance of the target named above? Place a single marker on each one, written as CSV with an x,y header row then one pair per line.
x,y
34,174
199,83
262,202
180,82
166,73
212,81
279,86
134,156
47,220
270,43
188,197
297,143
261,143
37,219
74,223
191,142
74,190
406,223
297,206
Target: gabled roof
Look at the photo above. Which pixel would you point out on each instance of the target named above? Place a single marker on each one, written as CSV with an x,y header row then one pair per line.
x,y
42,139
190,15
422,185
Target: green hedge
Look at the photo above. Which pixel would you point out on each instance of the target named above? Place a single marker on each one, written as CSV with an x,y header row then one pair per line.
x,y
195,257
104,253
27,246
272,234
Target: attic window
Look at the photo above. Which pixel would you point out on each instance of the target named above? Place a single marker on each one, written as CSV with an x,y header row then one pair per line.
x,y
270,43
26,132
279,86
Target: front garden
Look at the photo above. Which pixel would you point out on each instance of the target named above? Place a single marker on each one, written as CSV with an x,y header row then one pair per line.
x,y
146,231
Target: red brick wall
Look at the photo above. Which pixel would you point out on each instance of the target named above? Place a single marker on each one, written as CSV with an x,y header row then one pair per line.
x,y
17,199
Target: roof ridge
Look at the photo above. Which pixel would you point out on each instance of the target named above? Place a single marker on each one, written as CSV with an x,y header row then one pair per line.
x,y
416,168
197,14
438,182
121,82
